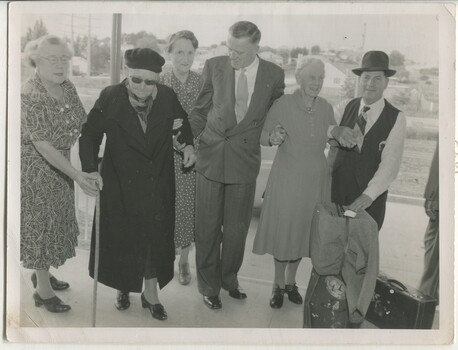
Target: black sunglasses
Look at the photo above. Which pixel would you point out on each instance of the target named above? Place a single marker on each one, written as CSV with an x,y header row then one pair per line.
x,y
138,80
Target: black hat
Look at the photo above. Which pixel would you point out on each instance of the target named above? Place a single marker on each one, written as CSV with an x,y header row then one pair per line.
x,y
375,61
144,58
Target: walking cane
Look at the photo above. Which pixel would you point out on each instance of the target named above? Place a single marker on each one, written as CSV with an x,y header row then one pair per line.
x,y
96,257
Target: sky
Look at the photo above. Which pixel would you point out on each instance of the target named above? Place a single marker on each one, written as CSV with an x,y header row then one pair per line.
x,y
414,35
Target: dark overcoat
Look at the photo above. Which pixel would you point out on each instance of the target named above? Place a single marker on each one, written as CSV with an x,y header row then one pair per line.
x,y
137,203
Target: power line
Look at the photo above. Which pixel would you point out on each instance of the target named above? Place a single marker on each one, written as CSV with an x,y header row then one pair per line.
x,y
86,18
79,25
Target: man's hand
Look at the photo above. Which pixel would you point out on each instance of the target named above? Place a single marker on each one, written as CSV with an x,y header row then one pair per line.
x,y
360,203
277,135
344,135
432,209
189,156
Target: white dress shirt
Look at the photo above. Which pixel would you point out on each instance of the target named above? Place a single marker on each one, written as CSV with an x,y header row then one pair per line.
x,y
392,152
389,166
251,72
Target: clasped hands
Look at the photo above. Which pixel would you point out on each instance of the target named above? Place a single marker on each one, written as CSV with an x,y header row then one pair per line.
x,y
277,136
189,155
345,136
90,183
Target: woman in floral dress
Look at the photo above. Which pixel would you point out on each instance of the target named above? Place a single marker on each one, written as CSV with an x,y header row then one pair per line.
x,y
51,119
181,49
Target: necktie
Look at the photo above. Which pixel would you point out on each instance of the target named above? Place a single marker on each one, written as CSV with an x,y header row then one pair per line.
x,y
241,96
361,121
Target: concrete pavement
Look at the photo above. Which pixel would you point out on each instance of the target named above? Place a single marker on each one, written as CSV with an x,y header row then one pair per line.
x,y
401,256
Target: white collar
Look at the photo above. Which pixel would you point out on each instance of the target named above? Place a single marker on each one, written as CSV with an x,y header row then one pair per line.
x,y
376,105
253,65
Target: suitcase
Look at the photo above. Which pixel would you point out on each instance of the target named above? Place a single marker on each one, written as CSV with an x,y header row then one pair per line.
x,y
395,306
325,304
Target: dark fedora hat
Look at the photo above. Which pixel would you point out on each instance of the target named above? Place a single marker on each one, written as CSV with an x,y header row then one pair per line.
x,y
375,61
144,58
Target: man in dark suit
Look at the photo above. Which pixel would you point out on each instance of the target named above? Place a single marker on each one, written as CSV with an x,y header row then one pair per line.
x,y
229,114
364,170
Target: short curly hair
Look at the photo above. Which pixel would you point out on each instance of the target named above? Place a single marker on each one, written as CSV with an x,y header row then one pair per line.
x,y
32,49
182,34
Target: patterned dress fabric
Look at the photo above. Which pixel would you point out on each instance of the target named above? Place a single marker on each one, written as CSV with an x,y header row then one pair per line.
x,y
48,221
185,178
299,177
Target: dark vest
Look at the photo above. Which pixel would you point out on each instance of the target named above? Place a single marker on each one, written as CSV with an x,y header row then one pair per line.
x,y
353,170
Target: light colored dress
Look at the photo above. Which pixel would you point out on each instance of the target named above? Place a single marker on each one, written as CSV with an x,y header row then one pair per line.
x,y
48,222
299,177
185,178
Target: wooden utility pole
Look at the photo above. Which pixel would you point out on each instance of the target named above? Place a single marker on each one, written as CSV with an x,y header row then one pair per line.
x,y
115,57
89,48
73,47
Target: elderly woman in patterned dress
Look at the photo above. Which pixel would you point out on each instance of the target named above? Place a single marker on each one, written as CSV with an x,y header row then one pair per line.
x,y
51,119
181,49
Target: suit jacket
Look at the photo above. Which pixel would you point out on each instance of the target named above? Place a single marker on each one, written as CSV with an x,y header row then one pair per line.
x,y
432,186
230,152
358,262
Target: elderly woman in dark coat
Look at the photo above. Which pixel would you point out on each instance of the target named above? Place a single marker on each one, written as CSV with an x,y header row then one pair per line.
x,y
138,196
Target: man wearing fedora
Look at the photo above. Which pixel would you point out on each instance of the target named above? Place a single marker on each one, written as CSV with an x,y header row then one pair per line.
x,y
364,169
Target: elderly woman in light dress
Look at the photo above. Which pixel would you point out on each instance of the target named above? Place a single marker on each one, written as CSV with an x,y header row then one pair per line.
x,y
299,125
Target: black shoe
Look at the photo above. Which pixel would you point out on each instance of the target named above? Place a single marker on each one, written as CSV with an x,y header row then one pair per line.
x,y
293,294
53,304
213,302
238,293
122,300
55,283
184,275
157,310
276,300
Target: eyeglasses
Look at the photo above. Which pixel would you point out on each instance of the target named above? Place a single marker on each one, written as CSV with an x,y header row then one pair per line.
x,y
54,59
138,80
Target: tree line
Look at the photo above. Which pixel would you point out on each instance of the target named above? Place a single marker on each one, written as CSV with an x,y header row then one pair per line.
x,y
100,48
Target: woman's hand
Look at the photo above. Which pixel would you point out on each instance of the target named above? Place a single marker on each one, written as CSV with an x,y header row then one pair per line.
x,y
89,183
189,156
277,136
178,146
345,136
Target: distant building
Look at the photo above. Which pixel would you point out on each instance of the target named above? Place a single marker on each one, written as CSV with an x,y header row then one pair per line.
x,y
429,99
79,65
272,57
